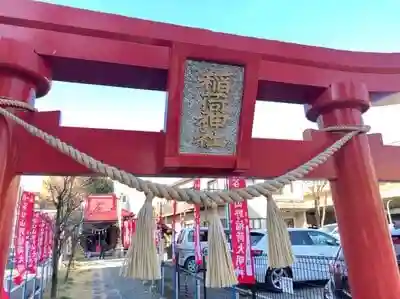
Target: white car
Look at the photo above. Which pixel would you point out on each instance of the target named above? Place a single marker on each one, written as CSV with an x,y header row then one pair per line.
x,y
332,229
314,251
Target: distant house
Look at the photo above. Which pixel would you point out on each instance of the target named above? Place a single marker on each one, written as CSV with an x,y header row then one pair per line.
x,y
289,199
390,194
296,202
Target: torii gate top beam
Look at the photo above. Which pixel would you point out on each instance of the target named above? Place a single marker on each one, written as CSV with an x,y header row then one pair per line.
x,y
100,48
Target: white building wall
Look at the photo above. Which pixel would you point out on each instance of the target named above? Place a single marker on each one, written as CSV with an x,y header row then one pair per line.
x,y
134,198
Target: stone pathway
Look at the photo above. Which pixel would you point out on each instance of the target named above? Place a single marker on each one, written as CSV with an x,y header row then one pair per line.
x,y
107,284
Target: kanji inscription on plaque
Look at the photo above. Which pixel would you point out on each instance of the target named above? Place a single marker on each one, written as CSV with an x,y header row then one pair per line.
x,y
212,100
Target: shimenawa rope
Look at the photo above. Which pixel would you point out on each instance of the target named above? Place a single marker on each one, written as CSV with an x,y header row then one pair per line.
x,y
142,265
175,193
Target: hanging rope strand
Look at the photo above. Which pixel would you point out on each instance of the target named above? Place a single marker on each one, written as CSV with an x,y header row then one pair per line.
x,y
169,192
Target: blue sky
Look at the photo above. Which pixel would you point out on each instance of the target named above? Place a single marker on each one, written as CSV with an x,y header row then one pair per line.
x,y
343,24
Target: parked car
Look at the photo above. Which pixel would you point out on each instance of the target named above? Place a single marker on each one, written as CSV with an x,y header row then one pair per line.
x,y
332,229
314,251
338,286
185,247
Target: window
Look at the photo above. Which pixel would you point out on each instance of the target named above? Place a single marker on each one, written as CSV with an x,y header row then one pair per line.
x,y
329,228
257,224
180,237
300,238
255,238
319,238
191,236
264,223
203,236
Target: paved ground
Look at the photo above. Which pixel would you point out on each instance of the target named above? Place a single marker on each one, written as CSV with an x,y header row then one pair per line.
x,y
107,284
188,287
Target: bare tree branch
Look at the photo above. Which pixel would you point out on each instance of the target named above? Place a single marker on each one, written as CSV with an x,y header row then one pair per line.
x,y
66,193
318,191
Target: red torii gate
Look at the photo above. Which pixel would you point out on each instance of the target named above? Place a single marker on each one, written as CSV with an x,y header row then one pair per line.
x,y
41,42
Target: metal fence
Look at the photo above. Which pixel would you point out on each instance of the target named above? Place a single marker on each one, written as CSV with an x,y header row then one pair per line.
x,y
33,285
305,279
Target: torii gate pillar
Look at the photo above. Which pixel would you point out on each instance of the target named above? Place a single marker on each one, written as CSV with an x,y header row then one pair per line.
x,y
359,211
22,75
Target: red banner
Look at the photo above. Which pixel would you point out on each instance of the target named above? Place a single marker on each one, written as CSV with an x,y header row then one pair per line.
x,y
34,243
51,235
22,234
197,245
126,233
42,238
240,230
47,238
128,228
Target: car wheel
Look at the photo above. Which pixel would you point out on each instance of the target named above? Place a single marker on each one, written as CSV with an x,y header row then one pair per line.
x,y
273,276
190,265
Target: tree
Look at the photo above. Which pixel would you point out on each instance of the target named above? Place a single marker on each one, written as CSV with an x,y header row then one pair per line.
x,y
320,195
99,185
92,185
67,194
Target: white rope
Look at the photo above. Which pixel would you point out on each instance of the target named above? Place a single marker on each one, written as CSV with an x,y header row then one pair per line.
x,y
174,193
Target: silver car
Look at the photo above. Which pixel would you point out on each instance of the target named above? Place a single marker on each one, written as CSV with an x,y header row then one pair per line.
x,y
338,287
185,247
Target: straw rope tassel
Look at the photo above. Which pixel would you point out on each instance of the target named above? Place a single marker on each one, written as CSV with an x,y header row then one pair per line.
x,y
126,263
280,253
142,261
220,272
